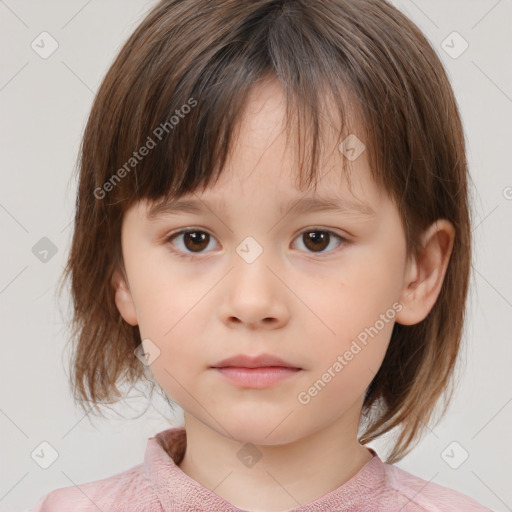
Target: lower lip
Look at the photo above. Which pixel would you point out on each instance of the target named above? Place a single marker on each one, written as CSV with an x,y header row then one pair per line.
x,y
257,377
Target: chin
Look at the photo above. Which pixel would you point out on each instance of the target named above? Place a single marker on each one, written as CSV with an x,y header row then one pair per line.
x,y
268,431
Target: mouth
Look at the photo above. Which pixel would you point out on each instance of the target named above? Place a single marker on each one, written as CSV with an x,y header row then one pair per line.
x,y
258,378
255,372
259,361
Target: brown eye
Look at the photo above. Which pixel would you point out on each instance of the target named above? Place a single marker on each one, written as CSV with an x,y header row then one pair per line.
x,y
317,241
186,243
196,240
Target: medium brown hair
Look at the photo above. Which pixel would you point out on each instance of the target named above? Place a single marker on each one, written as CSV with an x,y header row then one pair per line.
x,y
365,55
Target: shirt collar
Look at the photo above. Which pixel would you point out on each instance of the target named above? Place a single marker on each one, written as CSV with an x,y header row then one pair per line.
x,y
177,491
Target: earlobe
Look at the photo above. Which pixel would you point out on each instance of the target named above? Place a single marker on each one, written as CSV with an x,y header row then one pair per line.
x,y
123,298
425,273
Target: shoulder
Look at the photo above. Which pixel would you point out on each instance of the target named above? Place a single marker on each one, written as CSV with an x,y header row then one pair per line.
x,y
128,490
423,495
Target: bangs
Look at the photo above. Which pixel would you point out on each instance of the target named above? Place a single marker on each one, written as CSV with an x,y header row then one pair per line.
x,y
172,127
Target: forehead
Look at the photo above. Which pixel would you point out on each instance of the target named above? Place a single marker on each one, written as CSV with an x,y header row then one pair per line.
x,y
262,167
266,140
271,184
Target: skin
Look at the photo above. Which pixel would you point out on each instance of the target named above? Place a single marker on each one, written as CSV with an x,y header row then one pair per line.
x,y
303,306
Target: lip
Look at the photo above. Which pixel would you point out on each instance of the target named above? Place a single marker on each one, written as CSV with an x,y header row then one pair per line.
x,y
257,378
260,361
255,372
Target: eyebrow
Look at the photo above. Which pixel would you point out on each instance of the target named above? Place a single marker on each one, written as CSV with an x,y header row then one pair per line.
x,y
295,206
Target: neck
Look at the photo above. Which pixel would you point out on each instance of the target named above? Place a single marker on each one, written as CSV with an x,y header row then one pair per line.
x,y
273,478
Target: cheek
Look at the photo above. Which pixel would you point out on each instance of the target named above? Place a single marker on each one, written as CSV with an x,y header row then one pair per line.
x,y
168,315
343,364
354,296
368,285
161,293
172,312
357,307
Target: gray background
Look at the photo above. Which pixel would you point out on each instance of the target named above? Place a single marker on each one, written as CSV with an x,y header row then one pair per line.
x,y
44,105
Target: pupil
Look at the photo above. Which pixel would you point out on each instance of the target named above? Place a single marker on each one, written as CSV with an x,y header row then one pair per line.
x,y
197,238
316,240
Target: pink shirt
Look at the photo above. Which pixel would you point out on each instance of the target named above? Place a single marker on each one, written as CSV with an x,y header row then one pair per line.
x,y
158,485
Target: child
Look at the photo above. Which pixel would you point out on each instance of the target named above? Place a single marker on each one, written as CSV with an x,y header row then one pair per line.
x,y
255,131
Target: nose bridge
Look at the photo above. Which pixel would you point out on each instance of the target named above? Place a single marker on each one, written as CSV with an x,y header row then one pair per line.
x,y
253,260
253,292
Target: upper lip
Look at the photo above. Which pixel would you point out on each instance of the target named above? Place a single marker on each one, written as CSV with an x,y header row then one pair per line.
x,y
260,361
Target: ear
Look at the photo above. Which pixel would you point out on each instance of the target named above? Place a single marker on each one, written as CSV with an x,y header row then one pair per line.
x,y
123,298
425,273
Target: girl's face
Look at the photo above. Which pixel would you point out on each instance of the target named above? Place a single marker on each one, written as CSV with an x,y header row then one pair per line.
x,y
318,288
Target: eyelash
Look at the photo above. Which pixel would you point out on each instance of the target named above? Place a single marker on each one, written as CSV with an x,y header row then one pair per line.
x,y
171,236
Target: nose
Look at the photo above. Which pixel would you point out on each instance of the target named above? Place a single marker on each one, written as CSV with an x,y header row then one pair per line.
x,y
255,296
